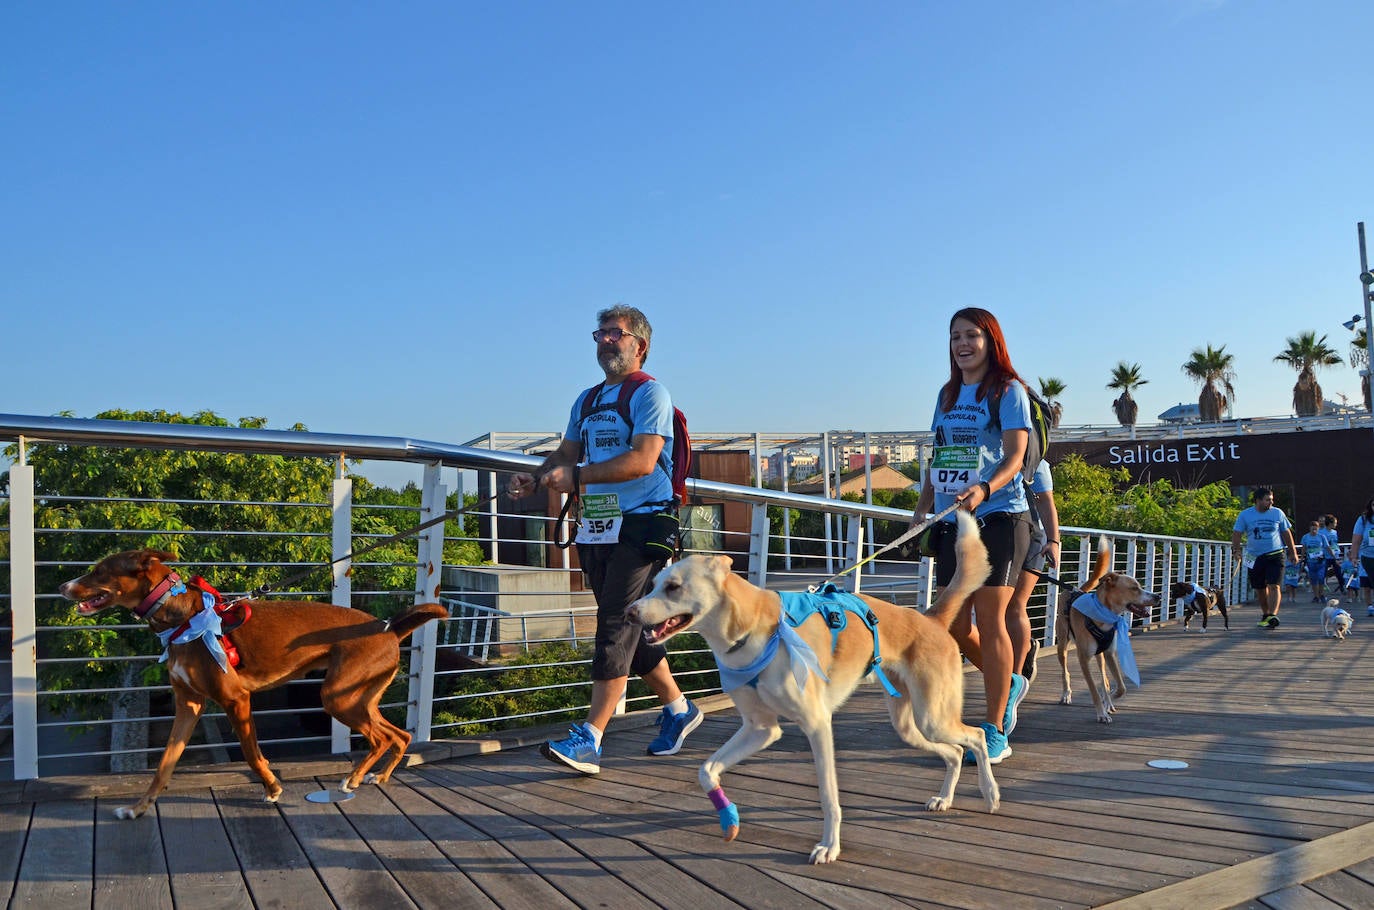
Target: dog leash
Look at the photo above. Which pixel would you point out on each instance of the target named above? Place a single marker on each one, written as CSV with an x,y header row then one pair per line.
x,y
1052,579
911,532
262,590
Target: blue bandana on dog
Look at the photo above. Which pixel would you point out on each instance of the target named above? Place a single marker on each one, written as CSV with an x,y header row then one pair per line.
x,y
804,660
1091,607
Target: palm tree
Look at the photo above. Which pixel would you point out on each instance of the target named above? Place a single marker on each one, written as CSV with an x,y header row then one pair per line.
x,y
1359,357
1126,377
1214,369
1049,389
1305,353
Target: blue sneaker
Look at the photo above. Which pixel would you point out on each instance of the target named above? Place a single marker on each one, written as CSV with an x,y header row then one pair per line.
x,y
998,747
1018,690
1014,697
579,751
673,729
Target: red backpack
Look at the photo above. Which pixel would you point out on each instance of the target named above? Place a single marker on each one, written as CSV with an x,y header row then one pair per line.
x,y
682,442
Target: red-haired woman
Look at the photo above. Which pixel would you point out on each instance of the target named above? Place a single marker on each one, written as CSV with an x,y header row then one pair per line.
x,y
977,462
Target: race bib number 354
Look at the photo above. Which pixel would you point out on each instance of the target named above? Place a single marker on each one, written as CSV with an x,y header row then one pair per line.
x,y
600,518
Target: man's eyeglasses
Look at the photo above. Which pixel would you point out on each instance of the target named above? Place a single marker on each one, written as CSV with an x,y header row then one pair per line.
x,y
611,335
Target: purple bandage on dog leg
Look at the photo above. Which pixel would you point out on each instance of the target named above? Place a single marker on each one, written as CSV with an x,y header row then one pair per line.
x,y
726,810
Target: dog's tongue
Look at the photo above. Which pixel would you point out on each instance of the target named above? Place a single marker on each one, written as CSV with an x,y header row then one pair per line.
x,y
665,628
94,605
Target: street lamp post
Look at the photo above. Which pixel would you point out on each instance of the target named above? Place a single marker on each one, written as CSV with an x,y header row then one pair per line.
x,y
1366,298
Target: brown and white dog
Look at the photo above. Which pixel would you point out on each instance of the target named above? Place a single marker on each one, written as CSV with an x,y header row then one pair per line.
x,y
280,641
1199,601
919,658
1094,639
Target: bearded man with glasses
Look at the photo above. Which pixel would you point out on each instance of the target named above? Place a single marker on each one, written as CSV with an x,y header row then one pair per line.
x,y
622,473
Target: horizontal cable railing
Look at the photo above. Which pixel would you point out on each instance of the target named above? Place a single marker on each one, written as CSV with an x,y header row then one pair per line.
x,y
514,648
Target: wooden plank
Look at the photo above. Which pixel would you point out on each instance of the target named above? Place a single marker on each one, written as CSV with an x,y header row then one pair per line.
x,y
277,870
1297,898
430,878
507,881
1345,889
14,831
579,877
349,870
130,869
55,872
1263,876
890,866
204,871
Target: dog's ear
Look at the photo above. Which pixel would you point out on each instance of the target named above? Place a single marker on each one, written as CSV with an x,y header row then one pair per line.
x,y
722,566
148,558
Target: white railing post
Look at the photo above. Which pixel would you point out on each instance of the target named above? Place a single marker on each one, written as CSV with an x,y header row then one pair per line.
x,y
854,548
428,575
342,591
1152,575
758,544
24,615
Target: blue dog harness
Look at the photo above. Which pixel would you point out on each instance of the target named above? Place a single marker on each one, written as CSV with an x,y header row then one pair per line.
x,y
834,606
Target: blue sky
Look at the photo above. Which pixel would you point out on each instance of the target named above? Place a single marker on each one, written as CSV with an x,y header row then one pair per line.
x,y
400,219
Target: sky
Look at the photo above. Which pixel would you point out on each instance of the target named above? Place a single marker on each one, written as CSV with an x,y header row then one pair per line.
x,y
400,219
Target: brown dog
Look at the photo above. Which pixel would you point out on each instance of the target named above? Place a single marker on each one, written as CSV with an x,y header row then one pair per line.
x,y
280,641
1095,639
919,658
1199,601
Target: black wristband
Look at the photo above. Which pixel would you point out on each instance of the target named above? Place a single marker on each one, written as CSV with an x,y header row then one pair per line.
x,y
987,490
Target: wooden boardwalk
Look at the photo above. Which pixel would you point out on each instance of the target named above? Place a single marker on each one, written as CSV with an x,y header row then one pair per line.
x,y
1275,809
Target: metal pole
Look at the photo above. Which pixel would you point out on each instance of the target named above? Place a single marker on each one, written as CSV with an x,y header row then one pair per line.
x,y
1366,297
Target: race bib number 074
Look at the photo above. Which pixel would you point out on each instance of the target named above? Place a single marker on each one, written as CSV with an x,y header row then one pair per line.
x,y
954,469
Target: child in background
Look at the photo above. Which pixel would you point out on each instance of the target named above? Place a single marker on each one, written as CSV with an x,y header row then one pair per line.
x,y
1292,577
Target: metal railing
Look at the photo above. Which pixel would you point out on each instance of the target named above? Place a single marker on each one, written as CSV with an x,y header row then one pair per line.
x,y
509,652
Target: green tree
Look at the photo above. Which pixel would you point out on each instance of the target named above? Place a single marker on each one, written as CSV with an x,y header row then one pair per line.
x,y
1305,353
1214,369
1090,496
1050,389
1126,377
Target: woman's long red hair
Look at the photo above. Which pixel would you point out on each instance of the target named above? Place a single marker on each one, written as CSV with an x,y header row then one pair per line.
x,y
1000,371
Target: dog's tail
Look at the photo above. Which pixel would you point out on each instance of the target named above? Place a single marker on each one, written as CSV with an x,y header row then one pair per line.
x,y
973,569
1101,565
416,617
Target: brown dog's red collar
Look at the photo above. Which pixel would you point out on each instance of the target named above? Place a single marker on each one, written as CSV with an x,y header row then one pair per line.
x,y
160,592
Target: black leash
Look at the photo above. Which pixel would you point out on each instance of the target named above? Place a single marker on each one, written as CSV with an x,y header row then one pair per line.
x,y
258,592
1054,580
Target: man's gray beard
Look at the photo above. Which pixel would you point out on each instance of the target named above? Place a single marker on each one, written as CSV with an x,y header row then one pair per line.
x,y
615,363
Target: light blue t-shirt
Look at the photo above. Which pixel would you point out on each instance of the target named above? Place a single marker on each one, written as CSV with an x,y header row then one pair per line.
x,y
605,435
1312,545
1042,481
1364,533
968,425
1332,542
1262,530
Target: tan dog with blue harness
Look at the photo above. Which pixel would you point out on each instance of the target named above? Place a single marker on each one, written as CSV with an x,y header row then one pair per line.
x,y
773,670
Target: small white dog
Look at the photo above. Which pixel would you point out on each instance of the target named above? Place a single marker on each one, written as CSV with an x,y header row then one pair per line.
x,y
1336,621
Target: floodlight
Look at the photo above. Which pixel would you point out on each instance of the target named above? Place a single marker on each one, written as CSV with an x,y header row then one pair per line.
x,y
1352,322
